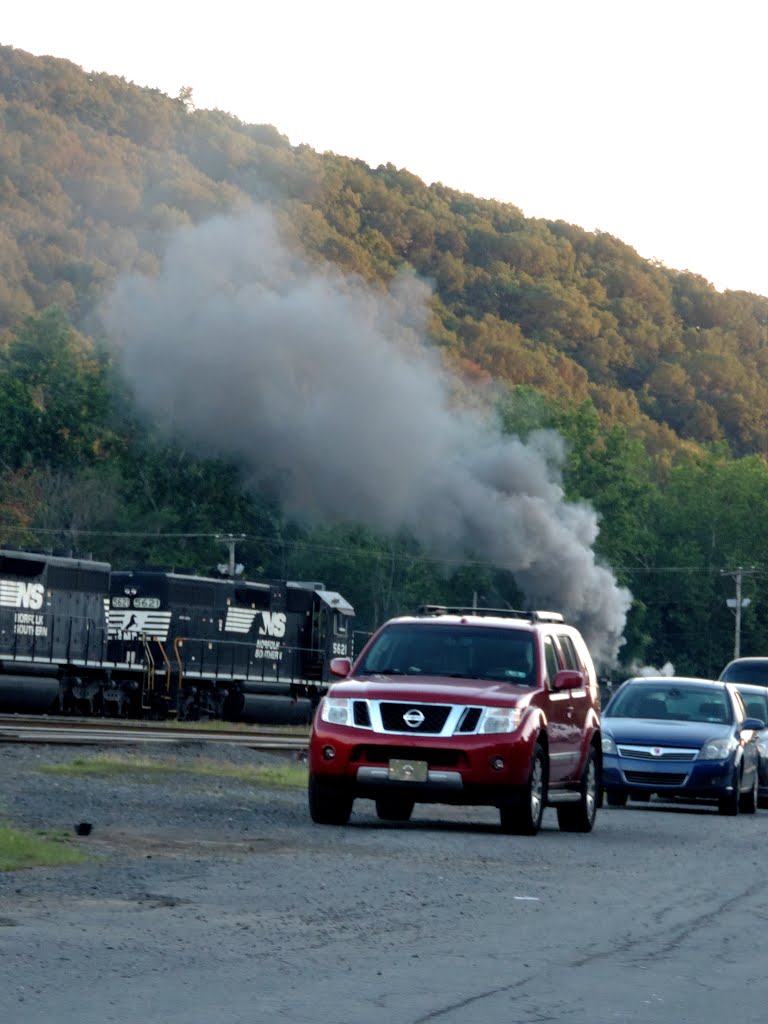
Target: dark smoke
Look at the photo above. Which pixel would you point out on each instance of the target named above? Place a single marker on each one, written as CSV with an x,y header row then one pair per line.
x,y
304,376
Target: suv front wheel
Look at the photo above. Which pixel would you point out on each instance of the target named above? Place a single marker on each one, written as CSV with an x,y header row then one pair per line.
x,y
329,803
521,816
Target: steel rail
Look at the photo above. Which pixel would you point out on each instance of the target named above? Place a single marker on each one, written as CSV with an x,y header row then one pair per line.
x,y
25,729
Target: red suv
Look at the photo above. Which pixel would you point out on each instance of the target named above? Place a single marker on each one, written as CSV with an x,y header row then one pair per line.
x,y
460,706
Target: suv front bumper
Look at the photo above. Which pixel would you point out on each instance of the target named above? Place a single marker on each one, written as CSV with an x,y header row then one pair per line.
x,y
447,769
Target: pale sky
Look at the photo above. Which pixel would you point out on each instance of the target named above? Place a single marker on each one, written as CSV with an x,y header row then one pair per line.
x,y
642,118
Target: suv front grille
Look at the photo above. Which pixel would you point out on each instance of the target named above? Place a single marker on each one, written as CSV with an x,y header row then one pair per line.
x,y
362,715
469,720
419,718
433,717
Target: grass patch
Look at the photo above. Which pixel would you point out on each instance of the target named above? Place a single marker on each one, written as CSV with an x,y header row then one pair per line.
x,y
23,850
280,776
221,725
217,725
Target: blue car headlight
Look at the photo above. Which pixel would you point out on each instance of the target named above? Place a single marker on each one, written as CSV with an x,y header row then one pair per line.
x,y
609,745
718,749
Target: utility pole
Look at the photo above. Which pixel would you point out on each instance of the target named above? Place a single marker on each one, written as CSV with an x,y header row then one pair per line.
x,y
231,568
737,603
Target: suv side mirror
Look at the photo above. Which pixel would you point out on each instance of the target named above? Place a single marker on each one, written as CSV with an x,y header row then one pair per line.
x,y
340,667
568,679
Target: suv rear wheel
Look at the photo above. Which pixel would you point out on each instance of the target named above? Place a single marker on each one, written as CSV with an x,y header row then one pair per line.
x,y
580,817
522,815
329,803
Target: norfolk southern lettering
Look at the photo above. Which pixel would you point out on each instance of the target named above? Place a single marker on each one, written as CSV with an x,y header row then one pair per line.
x,y
79,637
17,594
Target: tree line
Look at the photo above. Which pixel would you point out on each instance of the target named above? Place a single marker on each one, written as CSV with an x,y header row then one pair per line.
x,y
80,473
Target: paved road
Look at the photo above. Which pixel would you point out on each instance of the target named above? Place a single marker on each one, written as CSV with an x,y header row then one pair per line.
x,y
658,916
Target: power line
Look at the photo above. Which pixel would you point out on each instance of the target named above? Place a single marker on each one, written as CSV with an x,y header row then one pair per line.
x,y
346,549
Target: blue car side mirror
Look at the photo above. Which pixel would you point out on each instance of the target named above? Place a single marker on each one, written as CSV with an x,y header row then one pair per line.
x,y
755,724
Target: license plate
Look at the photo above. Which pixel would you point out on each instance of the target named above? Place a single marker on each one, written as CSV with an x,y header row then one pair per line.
x,y
407,771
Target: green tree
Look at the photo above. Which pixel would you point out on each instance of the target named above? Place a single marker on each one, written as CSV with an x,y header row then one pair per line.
x,y
54,393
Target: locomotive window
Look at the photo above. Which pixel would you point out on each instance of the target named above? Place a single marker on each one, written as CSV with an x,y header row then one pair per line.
x,y
10,566
146,602
253,597
339,624
189,594
121,602
60,578
93,580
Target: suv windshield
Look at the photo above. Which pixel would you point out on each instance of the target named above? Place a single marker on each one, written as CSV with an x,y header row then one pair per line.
x,y
473,652
746,672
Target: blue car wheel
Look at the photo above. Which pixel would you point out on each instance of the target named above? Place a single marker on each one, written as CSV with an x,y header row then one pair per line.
x,y
729,803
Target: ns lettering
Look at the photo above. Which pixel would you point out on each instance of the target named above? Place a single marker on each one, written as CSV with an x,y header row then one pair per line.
x,y
272,624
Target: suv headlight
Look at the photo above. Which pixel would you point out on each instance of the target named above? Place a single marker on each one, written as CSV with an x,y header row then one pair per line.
x,y
501,719
336,710
717,750
609,745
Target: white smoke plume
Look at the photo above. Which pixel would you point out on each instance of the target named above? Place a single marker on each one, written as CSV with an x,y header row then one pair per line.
x,y
306,377
635,669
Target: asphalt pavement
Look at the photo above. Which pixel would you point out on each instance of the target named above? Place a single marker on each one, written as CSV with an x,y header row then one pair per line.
x,y
657,916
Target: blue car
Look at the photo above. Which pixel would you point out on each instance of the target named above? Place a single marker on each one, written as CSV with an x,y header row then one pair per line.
x,y
680,738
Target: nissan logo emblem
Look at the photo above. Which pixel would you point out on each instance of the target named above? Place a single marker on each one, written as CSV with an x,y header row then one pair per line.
x,y
657,751
413,718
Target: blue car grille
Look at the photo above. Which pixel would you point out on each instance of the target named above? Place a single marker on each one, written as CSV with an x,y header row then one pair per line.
x,y
656,778
659,753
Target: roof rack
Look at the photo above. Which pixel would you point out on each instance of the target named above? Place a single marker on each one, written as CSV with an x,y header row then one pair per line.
x,y
535,615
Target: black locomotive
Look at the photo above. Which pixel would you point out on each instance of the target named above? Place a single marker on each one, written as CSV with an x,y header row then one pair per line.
x,y
79,637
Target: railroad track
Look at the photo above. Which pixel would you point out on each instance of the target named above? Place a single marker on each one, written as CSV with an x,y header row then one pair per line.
x,y
86,731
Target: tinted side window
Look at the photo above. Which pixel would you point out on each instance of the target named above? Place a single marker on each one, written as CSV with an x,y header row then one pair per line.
x,y
550,660
568,651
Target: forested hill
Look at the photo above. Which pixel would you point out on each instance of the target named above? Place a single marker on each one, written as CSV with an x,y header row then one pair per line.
x,y
96,173
643,502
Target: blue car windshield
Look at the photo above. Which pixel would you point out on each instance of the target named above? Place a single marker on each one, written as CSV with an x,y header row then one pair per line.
x,y
461,651
672,703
